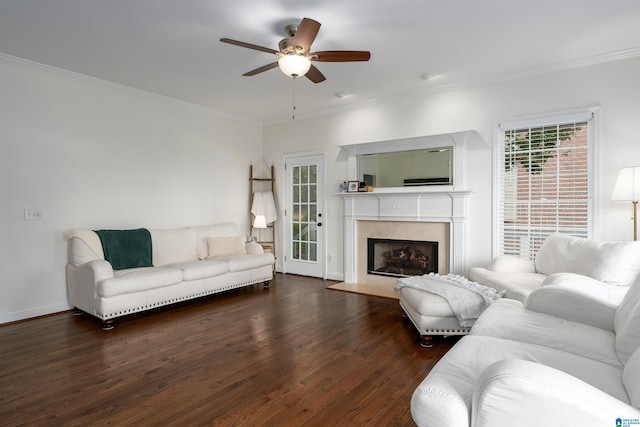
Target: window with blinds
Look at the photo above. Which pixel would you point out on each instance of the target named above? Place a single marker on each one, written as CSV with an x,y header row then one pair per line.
x,y
544,183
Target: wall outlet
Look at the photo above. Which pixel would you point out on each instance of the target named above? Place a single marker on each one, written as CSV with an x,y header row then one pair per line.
x,y
33,214
329,259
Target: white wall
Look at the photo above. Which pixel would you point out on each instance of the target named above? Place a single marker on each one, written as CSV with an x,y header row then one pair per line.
x,y
613,87
95,155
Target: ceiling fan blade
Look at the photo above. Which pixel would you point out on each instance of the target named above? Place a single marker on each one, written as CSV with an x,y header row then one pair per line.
x,y
261,69
341,55
248,45
306,34
315,75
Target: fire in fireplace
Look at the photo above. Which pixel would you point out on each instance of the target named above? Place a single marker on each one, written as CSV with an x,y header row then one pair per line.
x,y
401,258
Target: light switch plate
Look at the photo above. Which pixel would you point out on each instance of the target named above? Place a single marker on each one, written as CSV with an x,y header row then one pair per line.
x,y
33,214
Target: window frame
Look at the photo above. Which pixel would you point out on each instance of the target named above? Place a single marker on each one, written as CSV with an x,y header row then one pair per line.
x,y
589,115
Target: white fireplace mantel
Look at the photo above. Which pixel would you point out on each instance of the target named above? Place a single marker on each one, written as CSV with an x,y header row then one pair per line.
x,y
435,204
447,206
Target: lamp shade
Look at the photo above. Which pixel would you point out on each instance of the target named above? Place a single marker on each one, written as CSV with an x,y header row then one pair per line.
x,y
294,65
260,222
627,188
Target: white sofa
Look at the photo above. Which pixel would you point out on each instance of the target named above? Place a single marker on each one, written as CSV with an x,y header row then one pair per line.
x,y
186,263
563,358
604,269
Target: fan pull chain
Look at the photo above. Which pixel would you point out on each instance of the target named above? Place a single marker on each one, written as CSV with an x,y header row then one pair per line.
x,y
293,112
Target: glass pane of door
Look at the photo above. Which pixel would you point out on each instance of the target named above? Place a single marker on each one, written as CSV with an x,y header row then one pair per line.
x,y
304,208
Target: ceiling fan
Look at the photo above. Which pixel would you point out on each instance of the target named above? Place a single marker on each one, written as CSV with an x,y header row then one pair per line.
x,y
295,55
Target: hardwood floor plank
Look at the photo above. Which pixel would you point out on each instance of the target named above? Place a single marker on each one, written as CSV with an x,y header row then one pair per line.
x,y
295,354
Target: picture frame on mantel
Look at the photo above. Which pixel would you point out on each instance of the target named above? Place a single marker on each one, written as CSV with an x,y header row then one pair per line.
x,y
353,186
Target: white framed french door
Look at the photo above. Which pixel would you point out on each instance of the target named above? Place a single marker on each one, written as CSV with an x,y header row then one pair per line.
x,y
304,215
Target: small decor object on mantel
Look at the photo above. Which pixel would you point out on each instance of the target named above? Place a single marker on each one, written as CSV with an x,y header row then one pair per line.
x,y
353,186
342,186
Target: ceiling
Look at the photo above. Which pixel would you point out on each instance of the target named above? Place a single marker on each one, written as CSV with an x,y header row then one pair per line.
x,y
172,48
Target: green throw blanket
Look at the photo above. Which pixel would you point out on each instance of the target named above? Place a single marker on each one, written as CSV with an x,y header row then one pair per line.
x,y
127,248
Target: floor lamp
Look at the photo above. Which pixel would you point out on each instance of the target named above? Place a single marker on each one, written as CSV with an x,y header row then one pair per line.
x,y
627,189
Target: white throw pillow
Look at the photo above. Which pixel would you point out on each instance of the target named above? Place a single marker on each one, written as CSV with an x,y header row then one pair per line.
x,y
83,246
216,230
616,263
173,245
225,245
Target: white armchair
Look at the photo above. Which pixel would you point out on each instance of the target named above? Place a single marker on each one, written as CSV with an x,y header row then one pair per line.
x,y
604,269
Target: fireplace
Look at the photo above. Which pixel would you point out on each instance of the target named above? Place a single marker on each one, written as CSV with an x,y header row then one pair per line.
x,y
435,216
401,258
427,213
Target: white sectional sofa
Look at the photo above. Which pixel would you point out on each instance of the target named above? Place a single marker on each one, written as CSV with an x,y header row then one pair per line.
x,y
604,269
181,264
563,358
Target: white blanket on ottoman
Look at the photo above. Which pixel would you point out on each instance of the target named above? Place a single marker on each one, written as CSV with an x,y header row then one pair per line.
x,y
467,299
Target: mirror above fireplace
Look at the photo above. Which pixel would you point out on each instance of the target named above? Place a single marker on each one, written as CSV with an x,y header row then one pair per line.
x,y
427,163
411,168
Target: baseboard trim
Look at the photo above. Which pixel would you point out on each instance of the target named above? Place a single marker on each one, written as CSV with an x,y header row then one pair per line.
x,y
32,313
334,275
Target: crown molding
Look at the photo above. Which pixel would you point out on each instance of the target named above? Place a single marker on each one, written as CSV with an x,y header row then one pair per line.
x,y
467,84
125,88
479,82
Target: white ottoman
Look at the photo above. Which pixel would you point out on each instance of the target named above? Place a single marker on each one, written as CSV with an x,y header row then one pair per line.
x,y
430,314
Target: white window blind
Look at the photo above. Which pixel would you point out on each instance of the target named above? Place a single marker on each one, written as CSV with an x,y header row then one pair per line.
x,y
544,183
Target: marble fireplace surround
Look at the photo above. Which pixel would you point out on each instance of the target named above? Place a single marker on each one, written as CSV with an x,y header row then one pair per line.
x,y
434,216
432,213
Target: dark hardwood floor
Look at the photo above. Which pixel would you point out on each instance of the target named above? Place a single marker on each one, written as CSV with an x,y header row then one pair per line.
x,y
295,354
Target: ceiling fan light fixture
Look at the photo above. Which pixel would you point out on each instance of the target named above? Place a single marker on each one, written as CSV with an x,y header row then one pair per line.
x,y
294,65
295,54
